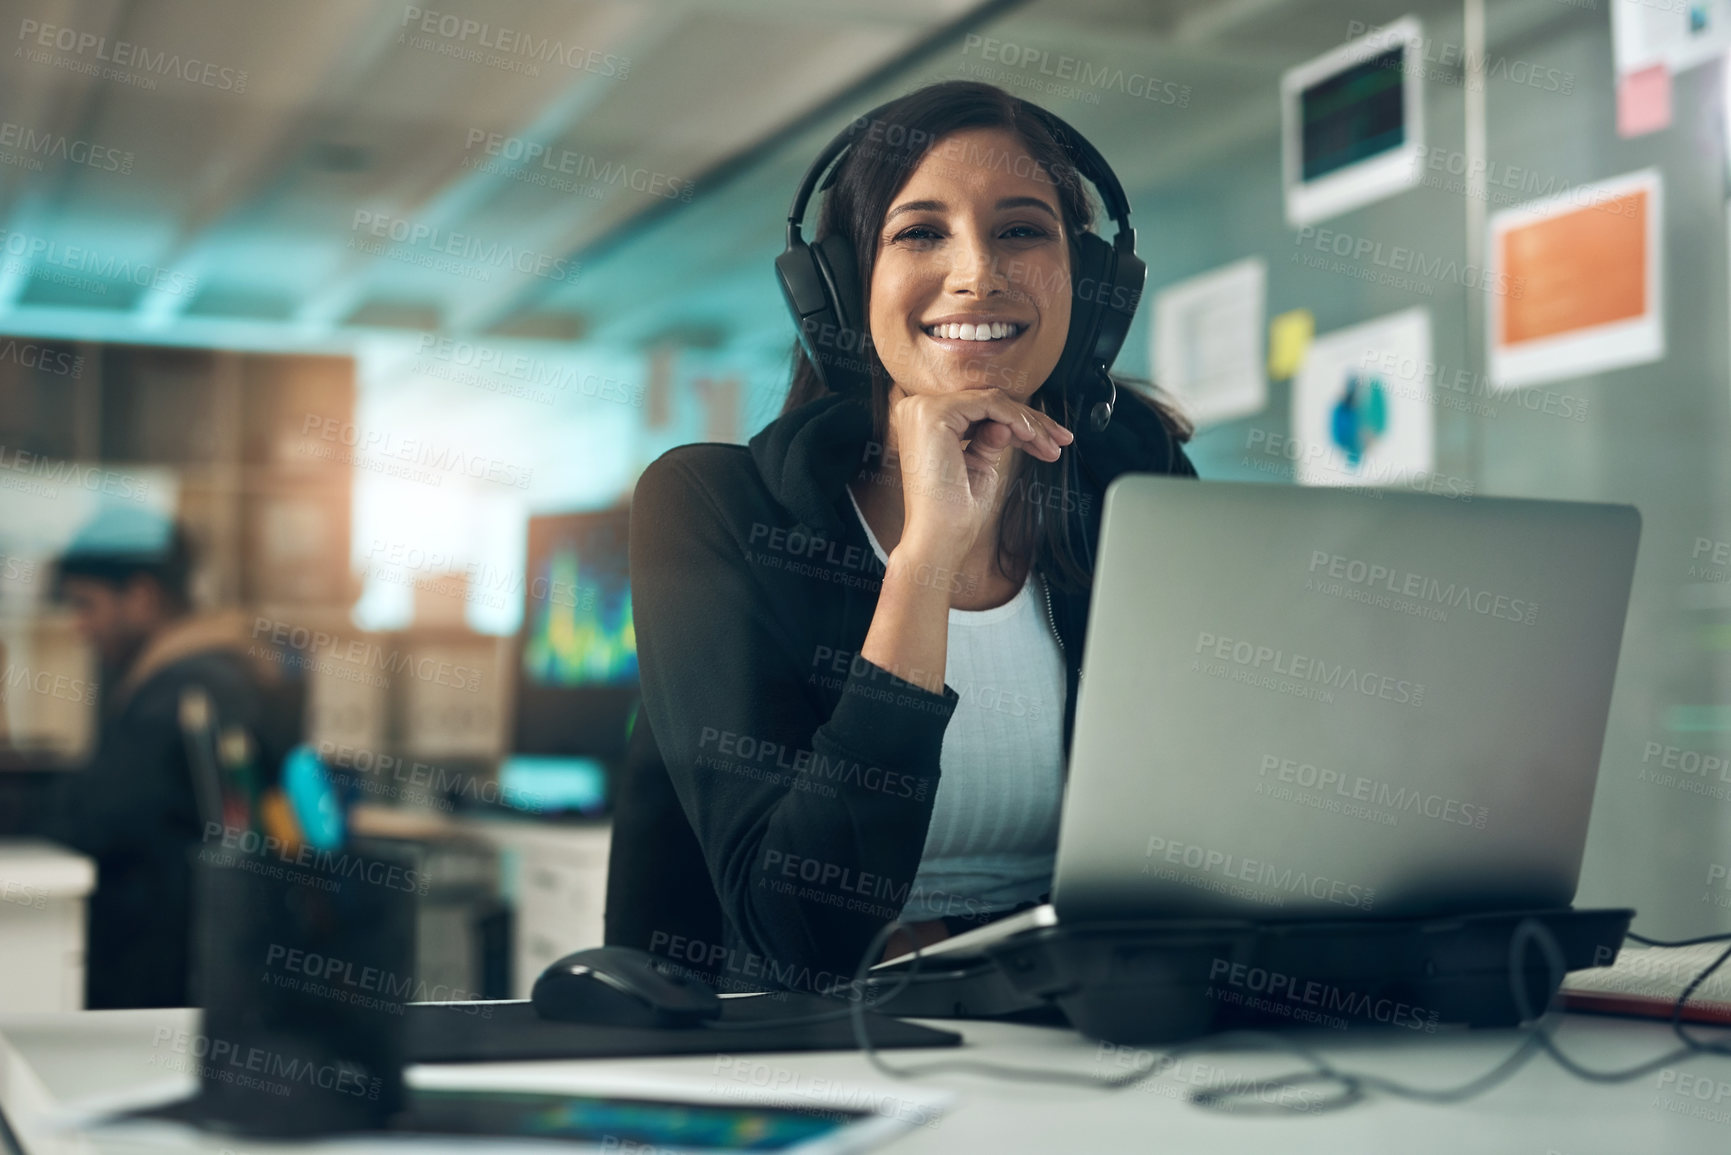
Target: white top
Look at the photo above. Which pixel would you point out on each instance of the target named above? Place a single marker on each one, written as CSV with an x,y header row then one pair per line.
x,y
994,829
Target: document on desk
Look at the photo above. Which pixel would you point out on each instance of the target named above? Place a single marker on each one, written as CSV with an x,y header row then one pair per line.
x,y
974,942
731,1102
1648,983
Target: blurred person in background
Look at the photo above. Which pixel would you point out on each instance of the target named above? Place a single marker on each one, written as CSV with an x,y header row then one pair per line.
x,y
133,808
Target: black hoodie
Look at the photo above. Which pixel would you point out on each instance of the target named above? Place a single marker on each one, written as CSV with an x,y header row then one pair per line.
x,y
806,773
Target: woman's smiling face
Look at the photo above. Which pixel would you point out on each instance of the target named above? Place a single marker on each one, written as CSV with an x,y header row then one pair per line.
x,y
971,285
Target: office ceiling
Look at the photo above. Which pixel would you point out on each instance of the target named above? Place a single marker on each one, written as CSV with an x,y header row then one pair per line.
x,y
539,168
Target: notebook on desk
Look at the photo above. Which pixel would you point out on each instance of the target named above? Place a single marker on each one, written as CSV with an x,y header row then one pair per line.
x,y
1647,983
1302,702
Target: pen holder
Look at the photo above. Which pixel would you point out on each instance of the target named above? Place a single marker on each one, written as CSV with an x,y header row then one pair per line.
x,y
304,962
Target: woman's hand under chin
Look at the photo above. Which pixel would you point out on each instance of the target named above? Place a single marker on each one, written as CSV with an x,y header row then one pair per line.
x,y
954,450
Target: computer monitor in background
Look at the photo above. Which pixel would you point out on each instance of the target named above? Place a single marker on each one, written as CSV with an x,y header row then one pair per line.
x,y
1353,123
576,664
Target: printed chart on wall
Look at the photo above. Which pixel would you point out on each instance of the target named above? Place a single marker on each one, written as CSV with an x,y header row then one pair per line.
x,y
1583,274
1361,405
1208,341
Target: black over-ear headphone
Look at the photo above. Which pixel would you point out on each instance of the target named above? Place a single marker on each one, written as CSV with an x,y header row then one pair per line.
x,y
821,281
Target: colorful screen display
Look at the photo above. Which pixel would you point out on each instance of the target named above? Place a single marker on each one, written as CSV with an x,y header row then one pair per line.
x,y
577,622
1354,115
618,1124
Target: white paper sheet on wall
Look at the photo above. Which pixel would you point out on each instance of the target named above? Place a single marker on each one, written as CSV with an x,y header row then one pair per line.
x,y
1209,333
1677,33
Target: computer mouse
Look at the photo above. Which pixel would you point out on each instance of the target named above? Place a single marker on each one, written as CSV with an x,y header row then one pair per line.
x,y
618,986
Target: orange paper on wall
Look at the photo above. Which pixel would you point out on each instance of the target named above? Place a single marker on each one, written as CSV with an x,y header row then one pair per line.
x,y
1577,270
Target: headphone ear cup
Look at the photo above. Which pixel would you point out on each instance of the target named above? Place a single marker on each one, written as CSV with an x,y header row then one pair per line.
x,y
848,347
834,256
1119,295
819,283
802,287
1091,266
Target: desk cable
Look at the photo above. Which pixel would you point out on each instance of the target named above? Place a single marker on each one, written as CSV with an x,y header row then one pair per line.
x,y
1350,1086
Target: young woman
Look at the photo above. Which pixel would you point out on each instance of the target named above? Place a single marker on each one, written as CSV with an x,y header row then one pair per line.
x,y
859,636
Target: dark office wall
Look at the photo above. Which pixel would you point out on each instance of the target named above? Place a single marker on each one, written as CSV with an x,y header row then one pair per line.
x,y
1654,436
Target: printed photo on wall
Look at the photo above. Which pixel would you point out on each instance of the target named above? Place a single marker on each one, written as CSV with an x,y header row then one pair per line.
x,y
1361,405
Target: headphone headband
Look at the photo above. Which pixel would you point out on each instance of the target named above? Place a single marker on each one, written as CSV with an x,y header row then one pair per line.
x,y
1083,156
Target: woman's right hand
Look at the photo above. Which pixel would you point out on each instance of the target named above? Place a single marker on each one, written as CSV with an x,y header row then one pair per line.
x,y
955,458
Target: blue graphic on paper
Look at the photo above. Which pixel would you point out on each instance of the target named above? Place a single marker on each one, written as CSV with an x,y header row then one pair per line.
x,y
1360,417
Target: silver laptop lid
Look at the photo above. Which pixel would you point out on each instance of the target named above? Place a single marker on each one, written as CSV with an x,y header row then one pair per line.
x,y
1311,702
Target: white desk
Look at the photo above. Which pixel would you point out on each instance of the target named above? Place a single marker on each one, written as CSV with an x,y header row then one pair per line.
x,y
555,876
47,1060
43,888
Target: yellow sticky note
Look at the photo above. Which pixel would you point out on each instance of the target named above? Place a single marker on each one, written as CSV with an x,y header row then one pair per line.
x,y
1288,341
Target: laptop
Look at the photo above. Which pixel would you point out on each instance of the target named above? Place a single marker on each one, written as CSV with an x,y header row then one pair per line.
x,y
1326,703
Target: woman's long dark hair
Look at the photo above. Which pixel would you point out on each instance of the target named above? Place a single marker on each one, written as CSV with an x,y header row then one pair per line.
x,y
865,183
